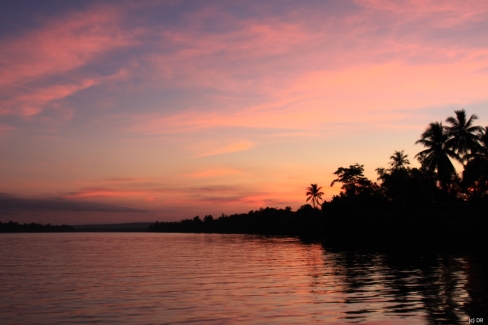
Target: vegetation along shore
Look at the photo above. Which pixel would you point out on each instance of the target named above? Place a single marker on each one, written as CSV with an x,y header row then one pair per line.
x,y
431,202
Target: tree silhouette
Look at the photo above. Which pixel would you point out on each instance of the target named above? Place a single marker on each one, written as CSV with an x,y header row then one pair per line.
x,y
436,157
475,174
398,160
481,151
463,135
352,179
407,186
314,195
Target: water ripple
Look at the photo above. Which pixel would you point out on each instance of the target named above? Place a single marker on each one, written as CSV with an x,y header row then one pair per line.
x,y
145,278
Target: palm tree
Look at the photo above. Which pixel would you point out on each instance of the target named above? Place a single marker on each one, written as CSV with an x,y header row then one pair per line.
x,y
482,150
463,135
314,195
349,176
436,157
475,174
399,160
353,180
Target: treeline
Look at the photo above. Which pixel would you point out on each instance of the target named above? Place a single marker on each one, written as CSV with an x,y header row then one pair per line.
x,y
426,201
33,227
347,218
268,221
431,201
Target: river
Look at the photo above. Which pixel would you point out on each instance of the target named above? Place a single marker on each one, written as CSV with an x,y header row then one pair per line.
x,y
164,278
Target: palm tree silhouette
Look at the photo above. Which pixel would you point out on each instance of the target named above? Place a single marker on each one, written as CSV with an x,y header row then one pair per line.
x,y
436,157
481,151
463,135
352,179
475,174
314,195
398,160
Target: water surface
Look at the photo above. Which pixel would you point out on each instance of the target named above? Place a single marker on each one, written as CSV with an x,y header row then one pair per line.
x,y
154,278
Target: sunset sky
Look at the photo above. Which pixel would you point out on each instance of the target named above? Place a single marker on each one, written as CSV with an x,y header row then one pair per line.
x,y
127,111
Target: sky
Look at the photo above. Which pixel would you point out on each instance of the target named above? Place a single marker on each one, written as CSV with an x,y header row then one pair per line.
x,y
137,111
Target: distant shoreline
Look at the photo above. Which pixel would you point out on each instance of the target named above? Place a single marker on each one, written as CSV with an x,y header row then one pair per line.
x,y
14,227
115,227
447,225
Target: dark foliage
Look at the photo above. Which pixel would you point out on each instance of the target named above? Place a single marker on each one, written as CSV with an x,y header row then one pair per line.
x,y
33,227
409,204
269,221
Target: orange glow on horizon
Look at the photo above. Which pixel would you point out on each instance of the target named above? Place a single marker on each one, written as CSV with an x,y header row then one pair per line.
x,y
221,109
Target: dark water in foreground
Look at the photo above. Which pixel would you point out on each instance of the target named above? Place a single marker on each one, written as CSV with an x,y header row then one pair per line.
x,y
152,278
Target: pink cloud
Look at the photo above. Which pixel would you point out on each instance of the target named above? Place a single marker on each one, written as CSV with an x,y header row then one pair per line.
x,y
325,97
224,61
133,180
5,128
59,48
468,8
32,103
127,188
151,193
62,45
39,99
279,114
300,75
181,192
309,77
104,192
191,57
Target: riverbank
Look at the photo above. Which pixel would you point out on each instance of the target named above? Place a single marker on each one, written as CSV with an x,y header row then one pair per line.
x,y
443,226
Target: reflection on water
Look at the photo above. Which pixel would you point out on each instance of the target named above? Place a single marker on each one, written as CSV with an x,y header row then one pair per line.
x,y
147,278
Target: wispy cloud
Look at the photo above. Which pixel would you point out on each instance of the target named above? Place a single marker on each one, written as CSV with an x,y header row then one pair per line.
x,y
133,180
134,90
40,66
337,70
112,193
10,204
33,102
470,9
62,45
5,128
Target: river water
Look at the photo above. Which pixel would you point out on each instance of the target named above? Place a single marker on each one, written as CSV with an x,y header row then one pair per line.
x,y
155,278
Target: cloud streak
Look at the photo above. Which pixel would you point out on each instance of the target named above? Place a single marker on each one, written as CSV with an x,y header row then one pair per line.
x,y
191,107
43,66
62,45
10,204
334,67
